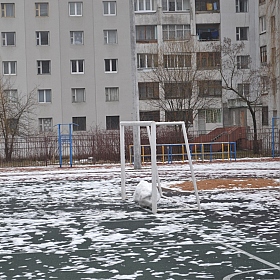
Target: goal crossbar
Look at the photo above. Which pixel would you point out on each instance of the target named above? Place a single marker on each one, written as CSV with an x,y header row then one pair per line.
x,y
151,130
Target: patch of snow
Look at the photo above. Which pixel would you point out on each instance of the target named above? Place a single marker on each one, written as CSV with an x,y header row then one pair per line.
x,y
143,194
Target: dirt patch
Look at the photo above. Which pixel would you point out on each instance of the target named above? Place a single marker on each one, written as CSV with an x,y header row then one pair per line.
x,y
212,184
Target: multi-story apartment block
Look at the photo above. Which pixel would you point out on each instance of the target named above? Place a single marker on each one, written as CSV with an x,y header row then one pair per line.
x,y
78,57
199,25
269,30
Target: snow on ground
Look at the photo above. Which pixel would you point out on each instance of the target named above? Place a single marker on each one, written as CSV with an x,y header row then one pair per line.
x,y
63,223
258,168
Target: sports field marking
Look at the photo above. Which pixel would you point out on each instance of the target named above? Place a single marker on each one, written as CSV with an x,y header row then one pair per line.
x,y
251,256
228,277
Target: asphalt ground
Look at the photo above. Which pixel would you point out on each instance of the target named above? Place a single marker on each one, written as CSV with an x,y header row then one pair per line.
x,y
79,230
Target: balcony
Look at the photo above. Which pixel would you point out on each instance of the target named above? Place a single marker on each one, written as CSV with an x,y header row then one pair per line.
x,y
236,103
208,32
209,6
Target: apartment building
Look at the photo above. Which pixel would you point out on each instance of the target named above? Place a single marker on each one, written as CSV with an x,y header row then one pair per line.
x,y
76,56
269,22
200,25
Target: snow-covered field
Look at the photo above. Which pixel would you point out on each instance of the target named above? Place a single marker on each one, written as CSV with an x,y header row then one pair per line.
x,y
71,224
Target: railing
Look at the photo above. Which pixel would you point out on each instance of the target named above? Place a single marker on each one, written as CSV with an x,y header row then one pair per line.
x,y
199,151
103,146
213,150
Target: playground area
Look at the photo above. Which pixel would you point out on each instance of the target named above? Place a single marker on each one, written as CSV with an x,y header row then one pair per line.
x,y
71,223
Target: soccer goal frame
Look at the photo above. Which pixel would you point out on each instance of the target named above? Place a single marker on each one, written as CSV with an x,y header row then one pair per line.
x,y
151,130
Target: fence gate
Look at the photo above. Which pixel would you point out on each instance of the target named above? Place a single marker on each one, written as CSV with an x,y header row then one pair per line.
x,y
65,139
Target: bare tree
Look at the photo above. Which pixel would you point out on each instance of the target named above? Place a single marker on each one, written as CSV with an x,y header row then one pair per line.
x,y
178,77
15,113
238,78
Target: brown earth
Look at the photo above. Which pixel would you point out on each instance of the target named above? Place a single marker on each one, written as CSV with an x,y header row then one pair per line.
x,y
237,183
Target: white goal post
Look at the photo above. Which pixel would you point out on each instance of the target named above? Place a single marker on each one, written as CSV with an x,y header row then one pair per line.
x,y
151,129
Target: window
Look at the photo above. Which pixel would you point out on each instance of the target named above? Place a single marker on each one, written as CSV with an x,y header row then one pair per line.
x,y
78,95
150,116
77,66
45,124
11,95
8,10
110,37
265,84
263,53
274,82
243,61
75,9
273,59
111,65
112,122
8,38
175,5
147,60
143,5
265,115
9,67
242,33
242,6
13,125
109,8
243,89
208,32
182,115
42,38
176,32
263,24
207,5
43,67
146,33
42,9
177,60
77,37
213,115
274,114
209,88
272,25
177,90
208,60
148,90
44,95
80,123
112,94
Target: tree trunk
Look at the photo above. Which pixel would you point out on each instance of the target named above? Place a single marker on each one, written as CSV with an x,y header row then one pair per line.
x,y
256,148
9,144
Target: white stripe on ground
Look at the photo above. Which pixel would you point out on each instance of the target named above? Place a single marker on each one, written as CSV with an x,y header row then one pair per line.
x,y
228,277
251,256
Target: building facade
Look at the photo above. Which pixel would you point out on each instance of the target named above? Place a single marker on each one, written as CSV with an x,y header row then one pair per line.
x,y
269,22
80,60
76,56
201,25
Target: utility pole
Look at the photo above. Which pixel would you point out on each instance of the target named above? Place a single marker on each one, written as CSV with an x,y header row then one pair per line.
x,y
136,129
